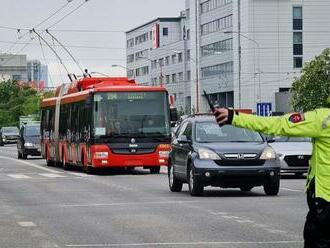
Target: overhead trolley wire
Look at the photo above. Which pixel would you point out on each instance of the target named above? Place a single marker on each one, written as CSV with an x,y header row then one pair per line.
x,y
71,12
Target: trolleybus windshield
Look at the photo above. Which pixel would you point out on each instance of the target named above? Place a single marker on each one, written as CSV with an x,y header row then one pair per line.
x,y
127,114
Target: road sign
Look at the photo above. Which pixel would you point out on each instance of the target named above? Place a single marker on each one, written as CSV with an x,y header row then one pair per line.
x,y
264,109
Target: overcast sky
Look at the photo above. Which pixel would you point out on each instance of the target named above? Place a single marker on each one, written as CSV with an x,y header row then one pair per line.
x,y
110,15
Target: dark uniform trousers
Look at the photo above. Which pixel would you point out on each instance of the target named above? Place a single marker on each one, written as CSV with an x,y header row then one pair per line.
x,y
317,225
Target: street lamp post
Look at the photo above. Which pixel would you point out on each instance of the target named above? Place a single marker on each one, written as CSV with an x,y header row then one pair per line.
x,y
126,68
239,58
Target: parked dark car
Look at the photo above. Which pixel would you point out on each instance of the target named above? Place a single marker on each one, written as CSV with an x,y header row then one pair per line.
x,y
29,141
204,154
8,135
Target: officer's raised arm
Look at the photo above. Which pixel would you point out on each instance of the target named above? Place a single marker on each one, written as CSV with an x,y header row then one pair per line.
x,y
297,124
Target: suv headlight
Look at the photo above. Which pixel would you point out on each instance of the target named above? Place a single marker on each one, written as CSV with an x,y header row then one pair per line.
x,y
207,154
268,154
28,144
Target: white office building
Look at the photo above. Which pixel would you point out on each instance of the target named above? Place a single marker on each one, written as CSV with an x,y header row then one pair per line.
x,y
242,52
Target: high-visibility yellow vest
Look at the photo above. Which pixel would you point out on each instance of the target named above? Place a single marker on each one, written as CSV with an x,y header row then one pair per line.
x,y
314,124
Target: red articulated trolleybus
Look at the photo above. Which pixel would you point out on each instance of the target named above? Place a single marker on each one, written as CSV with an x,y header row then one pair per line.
x,y
105,123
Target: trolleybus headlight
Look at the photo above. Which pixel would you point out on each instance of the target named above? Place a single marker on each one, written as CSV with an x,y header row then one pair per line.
x,y
164,154
268,154
101,155
28,145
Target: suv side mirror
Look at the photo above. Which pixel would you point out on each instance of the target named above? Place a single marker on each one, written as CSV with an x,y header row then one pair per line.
x,y
270,139
182,139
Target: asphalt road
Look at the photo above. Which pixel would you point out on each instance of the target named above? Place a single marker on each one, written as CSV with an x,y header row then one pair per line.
x,y
47,207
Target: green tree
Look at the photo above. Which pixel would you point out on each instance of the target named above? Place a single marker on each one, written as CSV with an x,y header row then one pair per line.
x,y
17,100
312,89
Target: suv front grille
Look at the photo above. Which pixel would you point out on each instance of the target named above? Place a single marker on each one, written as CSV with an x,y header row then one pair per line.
x,y
240,162
297,160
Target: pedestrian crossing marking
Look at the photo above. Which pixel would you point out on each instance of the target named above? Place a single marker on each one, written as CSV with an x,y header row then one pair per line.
x,y
26,224
19,176
51,175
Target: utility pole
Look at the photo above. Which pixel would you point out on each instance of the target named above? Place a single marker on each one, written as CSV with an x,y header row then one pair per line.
x,y
197,54
239,53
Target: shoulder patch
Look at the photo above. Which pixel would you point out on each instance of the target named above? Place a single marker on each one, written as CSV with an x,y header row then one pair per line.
x,y
296,118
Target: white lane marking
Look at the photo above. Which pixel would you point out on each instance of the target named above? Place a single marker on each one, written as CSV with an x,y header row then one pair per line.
x,y
51,175
244,221
230,217
79,174
26,224
293,190
125,204
18,176
30,164
184,243
218,213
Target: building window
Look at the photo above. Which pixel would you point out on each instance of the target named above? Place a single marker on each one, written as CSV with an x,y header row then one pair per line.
x,y
130,73
141,38
213,4
297,18
179,57
165,31
188,34
153,64
217,47
219,69
167,79
174,78
188,54
161,62
142,71
298,47
174,59
130,58
297,62
167,60
180,75
217,25
141,54
188,75
130,43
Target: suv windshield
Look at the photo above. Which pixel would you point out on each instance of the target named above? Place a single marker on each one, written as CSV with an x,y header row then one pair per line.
x,y
209,132
32,131
131,113
10,130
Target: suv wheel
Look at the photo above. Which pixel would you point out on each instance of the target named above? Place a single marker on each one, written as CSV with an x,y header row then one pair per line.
x,y
195,186
174,183
272,187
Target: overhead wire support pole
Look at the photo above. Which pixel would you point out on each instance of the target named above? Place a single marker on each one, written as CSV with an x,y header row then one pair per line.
x,y
59,58
73,58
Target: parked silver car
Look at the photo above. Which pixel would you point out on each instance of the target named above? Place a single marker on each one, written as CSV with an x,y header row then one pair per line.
x,y
294,154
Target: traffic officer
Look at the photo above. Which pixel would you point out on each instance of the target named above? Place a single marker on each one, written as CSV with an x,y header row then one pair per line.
x,y
314,124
